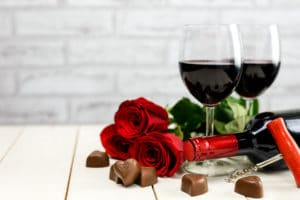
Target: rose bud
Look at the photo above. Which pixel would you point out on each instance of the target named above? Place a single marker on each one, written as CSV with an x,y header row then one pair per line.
x,y
140,116
115,145
160,150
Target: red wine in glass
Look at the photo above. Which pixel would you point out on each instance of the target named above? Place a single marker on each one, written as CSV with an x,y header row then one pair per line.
x,y
209,81
261,60
256,77
210,65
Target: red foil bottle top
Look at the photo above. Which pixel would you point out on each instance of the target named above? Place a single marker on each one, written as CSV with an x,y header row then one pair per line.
x,y
287,147
203,148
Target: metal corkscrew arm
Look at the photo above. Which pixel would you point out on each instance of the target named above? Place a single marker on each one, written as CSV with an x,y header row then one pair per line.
x,y
242,172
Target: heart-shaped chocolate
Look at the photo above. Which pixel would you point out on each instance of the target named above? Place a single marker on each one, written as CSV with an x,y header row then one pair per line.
x,y
250,186
97,159
128,171
113,176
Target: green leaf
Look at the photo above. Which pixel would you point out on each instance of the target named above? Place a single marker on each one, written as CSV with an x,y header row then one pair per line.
x,y
237,125
188,115
231,116
237,109
242,102
223,112
220,126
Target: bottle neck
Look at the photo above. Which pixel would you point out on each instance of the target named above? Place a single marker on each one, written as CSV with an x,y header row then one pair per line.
x,y
203,148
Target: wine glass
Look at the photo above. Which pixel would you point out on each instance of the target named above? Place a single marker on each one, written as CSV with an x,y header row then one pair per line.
x,y
210,65
261,60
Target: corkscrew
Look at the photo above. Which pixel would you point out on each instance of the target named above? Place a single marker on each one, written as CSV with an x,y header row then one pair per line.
x,y
242,172
288,148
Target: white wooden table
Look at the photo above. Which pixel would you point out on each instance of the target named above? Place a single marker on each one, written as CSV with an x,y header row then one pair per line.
x,y
48,162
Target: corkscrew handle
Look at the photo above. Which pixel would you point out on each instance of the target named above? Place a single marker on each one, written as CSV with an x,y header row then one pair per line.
x,y
287,146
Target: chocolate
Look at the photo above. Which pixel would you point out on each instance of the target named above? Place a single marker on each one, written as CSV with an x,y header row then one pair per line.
x,y
97,159
250,186
194,184
147,177
113,176
127,171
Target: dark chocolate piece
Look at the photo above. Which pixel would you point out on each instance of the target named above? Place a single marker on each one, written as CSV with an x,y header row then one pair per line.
x,y
147,177
250,186
128,171
97,159
194,184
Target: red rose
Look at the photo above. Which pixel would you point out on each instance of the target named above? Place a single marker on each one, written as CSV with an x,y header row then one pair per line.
x,y
115,145
160,150
140,116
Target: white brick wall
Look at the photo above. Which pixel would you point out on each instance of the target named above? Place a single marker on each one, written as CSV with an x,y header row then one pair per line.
x,y
116,51
64,22
74,61
31,52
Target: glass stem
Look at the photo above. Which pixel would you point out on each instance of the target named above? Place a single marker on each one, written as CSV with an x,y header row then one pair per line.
x,y
248,105
210,112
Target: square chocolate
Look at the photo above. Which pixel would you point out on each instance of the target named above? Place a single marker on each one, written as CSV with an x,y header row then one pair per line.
x,y
147,177
194,184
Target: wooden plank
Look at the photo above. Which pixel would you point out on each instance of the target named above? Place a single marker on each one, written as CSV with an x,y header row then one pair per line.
x,y
8,137
170,189
93,183
38,165
279,185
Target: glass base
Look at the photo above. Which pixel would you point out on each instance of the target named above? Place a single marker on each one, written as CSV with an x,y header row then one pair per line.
x,y
216,167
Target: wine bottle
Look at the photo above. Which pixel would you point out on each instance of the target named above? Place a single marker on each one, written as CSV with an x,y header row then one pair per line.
x,y
256,141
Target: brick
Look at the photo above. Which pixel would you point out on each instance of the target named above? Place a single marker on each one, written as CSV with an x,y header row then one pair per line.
x,y
101,109
64,22
24,3
22,110
286,19
7,82
290,54
146,82
286,82
66,81
264,103
116,2
95,2
161,22
288,103
283,4
93,110
117,51
31,52
211,3
5,24
173,52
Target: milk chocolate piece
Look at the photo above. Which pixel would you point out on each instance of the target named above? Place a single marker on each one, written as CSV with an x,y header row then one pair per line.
x,y
127,171
147,177
97,159
113,176
194,184
250,186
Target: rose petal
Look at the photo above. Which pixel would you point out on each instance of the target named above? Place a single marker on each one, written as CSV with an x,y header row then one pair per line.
x,y
137,117
115,145
159,150
131,119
